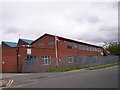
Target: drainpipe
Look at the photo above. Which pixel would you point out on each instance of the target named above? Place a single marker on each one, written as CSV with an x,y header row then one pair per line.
x,y
18,59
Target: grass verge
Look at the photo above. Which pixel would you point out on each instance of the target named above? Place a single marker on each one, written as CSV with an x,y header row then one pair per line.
x,y
103,66
63,69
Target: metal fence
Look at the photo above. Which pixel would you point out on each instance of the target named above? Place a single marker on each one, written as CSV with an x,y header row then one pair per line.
x,y
36,65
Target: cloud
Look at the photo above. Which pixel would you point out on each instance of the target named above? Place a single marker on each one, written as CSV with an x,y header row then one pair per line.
x,y
11,30
92,22
93,19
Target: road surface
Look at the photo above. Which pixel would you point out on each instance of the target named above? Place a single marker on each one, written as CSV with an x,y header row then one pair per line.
x,y
104,78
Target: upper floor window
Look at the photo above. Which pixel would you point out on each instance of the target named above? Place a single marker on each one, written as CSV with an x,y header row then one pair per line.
x,y
41,44
90,48
70,45
51,43
80,47
99,50
84,47
75,46
94,49
87,48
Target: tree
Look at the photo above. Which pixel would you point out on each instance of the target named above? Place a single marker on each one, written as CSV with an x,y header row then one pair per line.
x,y
112,48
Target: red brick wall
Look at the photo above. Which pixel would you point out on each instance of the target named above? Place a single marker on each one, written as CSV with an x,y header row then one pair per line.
x,y
9,59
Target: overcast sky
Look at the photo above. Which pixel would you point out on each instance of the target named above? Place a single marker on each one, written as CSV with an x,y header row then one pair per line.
x,y
93,22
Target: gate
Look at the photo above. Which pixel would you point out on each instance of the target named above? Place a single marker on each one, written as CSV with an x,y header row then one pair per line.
x,y
30,65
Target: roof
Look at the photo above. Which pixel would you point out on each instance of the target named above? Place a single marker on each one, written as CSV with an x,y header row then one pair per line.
x,y
27,41
10,44
67,39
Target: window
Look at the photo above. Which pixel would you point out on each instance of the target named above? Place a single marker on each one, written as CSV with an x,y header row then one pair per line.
x,y
94,49
75,46
46,60
80,47
70,59
83,47
41,44
76,59
90,48
30,57
99,50
87,48
28,51
69,45
51,43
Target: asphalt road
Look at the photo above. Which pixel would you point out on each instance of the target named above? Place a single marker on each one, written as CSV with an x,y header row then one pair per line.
x,y
104,78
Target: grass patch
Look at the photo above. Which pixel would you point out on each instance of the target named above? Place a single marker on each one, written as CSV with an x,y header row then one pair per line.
x,y
63,69
103,66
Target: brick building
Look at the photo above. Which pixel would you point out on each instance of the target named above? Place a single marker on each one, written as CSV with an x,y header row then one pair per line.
x,y
46,49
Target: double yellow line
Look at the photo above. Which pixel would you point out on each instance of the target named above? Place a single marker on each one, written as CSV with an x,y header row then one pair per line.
x,y
8,84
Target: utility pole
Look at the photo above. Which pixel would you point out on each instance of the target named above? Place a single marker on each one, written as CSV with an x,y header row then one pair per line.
x,y
56,50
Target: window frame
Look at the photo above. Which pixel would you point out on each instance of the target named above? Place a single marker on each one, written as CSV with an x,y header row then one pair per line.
x,y
69,45
70,59
46,60
75,45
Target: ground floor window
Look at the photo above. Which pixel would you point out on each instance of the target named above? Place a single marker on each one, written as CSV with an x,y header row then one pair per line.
x,y
46,60
70,59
